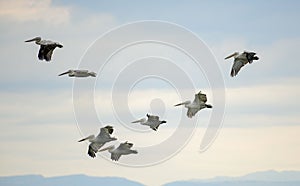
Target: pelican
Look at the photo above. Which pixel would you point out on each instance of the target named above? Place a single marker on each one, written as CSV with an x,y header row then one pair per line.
x,y
240,60
152,121
79,73
122,149
198,104
46,48
98,141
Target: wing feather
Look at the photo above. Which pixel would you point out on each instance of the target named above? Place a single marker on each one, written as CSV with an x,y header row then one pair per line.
x,y
236,67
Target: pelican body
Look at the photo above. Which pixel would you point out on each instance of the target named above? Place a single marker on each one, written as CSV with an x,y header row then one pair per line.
x,y
122,149
46,48
97,142
78,73
152,121
240,60
198,104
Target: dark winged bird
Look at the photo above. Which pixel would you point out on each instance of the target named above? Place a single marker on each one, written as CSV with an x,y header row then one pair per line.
x,y
122,149
198,104
152,121
46,48
240,60
78,73
97,142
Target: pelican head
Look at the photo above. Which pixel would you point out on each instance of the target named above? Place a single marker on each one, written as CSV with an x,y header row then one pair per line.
x,y
93,74
140,121
232,55
36,39
87,138
183,103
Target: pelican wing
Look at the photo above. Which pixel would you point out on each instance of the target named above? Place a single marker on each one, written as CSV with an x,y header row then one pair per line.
x,y
236,67
46,42
125,145
152,118
93,148
123,149
115,156
251,56
46,52
105,132
49,54
81,71
196,99
41,54
192,112
202,97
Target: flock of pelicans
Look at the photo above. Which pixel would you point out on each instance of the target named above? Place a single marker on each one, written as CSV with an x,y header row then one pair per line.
x,y
97,142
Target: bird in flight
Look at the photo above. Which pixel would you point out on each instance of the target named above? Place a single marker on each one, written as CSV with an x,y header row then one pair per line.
x,y
78,73
198,104
240,60
97,142
152,121
46,48
122,149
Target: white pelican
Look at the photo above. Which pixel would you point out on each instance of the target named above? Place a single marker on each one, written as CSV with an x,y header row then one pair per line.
x,y
152,121
198,104
79,73
98,141
122,149
46,48
240,60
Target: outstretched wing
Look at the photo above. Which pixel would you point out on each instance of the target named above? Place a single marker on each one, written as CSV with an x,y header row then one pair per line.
x,y
125,146
93,149
202,97
123,149
41,54
81,71
251,56
46,52
236,67
105,132
49,51
192,112
152,118
115,156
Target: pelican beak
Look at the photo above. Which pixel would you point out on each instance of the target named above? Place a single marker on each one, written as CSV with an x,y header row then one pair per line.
x,y
178,104
230,56
63,73
82,139
30,40
137,121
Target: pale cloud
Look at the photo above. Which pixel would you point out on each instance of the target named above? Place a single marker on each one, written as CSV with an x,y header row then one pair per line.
x,y
34,10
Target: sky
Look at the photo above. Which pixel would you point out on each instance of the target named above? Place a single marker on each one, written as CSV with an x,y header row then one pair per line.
x,y
257,112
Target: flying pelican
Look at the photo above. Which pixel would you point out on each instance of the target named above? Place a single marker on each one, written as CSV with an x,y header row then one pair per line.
x,y
46,48
198,104
79,73
98,141
122,149
240,60
152,121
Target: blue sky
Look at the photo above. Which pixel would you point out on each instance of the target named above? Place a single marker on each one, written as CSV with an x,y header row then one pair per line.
x,y
37,107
